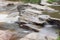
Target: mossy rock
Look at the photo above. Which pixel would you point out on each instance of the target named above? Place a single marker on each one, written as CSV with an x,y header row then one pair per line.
x,y
58,38
51,1
12,0
28,1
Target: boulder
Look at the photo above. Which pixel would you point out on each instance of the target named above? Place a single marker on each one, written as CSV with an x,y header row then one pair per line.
x,y
32,27
54,21
10,4
44,17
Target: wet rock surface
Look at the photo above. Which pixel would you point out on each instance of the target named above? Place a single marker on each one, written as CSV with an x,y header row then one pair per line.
x,y
28,22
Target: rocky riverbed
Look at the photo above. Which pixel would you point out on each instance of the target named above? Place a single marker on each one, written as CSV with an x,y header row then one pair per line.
x,y
28,21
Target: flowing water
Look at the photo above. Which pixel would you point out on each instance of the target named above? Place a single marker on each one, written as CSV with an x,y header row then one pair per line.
x,y
46,31
54,14
49,30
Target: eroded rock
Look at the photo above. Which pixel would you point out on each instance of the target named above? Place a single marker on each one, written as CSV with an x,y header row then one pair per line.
x,y
5,35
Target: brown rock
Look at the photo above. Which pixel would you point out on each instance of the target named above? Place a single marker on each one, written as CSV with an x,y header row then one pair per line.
x,y
5,35
31,36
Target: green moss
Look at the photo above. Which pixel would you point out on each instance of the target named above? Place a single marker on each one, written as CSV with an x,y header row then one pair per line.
x,y
27,1
31,1
59,34
58,38
12,0
50,1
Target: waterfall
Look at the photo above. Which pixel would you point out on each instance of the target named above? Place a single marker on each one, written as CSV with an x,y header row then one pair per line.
x,y
48,25
47,32
43,1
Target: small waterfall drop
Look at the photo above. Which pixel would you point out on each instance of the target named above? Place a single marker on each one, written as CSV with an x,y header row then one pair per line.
x,y
47,31
43,1
48,25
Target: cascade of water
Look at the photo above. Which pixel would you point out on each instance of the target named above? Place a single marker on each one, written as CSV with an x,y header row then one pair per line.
x,y
43,1
47,25
47,32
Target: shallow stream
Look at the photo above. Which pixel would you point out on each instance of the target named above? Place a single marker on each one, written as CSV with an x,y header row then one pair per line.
x,y
9,24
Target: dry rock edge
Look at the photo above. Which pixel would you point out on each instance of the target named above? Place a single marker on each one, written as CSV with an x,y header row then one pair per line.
x,y
5,35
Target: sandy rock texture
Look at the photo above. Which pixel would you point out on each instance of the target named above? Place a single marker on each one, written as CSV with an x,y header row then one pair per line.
x,y
6,35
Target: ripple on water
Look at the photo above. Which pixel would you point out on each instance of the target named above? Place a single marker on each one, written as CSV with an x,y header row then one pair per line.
x,y
48,32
